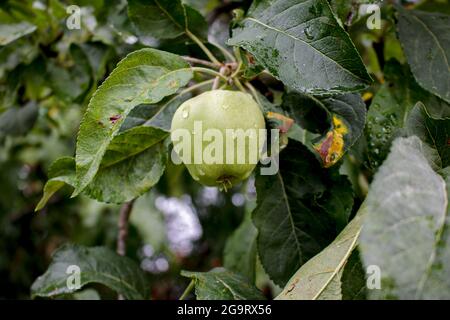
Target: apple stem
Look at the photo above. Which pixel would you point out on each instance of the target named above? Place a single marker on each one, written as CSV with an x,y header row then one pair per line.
x,y
206,63
203,47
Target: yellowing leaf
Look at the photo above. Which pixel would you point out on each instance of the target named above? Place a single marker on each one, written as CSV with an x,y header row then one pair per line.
x,y
331,149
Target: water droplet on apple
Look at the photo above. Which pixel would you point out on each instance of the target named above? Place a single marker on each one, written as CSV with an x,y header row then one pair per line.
x,y
185,113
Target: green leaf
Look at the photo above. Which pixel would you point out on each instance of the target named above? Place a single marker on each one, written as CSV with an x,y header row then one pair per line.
x,y
301,43
434,132
426,42
14,31
136,158
240,250
353,279
69,84
144,76
165,19
18,121
391,106
221,284
98,56
340,119
405,230
348,11
86,294
133,163
61,172
292,214
440,6
320,277
156,115
96,265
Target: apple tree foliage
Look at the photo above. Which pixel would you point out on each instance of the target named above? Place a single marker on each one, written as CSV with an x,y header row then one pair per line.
x,y
364,114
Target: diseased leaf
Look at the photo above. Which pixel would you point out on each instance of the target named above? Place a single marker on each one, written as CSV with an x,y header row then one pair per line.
x,y
221,284
320,277
165,19
96,265
301,43
240,250
156,115
426,41
345,115
133,163
407,216
14,31
145,76
434,132
292,214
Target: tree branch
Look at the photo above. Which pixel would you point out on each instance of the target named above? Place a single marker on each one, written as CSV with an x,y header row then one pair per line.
x,y
193,60
124,215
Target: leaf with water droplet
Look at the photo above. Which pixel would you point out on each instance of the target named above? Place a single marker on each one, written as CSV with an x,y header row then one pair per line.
x,y
278,39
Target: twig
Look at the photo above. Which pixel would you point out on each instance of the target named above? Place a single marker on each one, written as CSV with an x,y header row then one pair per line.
x,y
209,71
188,290
224,51
203,47
124,215
239,85
196,86
202,62
216,83
254,93
223,71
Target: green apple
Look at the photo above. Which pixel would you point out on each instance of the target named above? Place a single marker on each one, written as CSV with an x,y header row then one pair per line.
x,y
219,135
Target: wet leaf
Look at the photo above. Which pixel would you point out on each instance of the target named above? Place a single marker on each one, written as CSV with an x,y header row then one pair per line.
x,y
221,284
293,215
165,19
143,77
426,42
301,43
405,229
320,278
96,265
345,115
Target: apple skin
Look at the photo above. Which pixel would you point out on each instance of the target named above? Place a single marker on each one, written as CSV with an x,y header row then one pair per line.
x,y
220,110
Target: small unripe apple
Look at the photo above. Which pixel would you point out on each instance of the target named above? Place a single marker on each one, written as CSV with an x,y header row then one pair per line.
x,y
225,130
